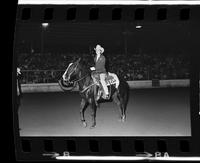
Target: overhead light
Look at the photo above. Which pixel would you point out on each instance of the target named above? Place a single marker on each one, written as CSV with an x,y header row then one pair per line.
x,y
138,26
45,25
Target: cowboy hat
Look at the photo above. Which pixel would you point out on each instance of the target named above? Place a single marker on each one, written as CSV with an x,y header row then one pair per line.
x,y
98,47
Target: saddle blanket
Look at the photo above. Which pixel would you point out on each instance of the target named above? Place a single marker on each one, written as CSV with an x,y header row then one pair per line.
x,y
110,79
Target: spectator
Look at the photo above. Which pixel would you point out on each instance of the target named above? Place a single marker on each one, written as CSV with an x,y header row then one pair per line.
x,y
132,67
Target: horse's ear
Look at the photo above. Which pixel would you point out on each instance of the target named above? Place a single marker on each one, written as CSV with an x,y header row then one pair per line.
x,y
79,59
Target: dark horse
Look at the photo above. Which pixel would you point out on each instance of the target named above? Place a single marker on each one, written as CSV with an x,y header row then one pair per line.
x,y
78,74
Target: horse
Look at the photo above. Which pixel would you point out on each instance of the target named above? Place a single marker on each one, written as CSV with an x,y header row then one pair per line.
x,y
78,74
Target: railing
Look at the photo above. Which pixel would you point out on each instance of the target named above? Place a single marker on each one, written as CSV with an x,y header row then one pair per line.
x,y
41,76
52,76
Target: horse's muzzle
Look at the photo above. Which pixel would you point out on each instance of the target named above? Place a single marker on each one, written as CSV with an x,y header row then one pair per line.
x,y
64,85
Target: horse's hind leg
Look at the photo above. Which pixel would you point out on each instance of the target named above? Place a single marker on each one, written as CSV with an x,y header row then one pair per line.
x,y
93,114
123,108
116,99
83,107
123,113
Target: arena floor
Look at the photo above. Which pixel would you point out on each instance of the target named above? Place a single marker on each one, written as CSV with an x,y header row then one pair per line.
x,y
150,112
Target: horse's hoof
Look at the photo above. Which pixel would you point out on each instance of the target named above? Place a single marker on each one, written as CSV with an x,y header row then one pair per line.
x,y
93,126
123,119
84,124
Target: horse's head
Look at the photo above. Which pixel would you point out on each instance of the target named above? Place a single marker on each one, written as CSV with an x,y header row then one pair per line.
x,y
70,74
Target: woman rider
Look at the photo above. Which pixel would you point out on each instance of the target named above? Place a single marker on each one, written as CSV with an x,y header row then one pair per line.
x,y
99,68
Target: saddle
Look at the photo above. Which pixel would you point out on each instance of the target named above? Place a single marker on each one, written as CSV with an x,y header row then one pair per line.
x,y
110,80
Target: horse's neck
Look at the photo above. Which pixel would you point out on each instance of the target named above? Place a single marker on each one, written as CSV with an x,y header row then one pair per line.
x,y
85,81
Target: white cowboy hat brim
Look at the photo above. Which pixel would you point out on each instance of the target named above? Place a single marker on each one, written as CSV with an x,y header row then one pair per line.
x,y
100,48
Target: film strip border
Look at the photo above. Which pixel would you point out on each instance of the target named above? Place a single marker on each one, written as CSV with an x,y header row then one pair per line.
x,y
36,148
115,13
40,148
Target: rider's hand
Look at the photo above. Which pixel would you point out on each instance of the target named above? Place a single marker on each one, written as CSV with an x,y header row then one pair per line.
x,y
92,68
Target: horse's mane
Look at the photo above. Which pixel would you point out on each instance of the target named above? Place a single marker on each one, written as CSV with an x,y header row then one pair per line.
x,y
84,65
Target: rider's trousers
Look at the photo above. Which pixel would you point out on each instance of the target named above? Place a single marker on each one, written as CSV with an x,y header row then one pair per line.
x,y
102,79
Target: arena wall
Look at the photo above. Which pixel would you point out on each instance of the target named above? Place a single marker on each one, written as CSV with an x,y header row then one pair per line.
x,y
54,87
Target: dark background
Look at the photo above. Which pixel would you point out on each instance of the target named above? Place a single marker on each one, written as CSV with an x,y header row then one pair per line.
x,y
152,38
10,17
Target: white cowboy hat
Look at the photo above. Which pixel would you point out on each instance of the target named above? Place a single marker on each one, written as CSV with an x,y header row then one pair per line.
x,y
98,47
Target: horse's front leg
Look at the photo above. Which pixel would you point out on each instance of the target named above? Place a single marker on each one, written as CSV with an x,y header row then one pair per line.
x,y
93,114
83,107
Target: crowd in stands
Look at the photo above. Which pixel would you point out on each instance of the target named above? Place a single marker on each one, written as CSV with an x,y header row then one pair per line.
x,y
49,67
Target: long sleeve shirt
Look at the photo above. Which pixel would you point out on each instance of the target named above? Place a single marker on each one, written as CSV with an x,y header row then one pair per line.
x,y
100,64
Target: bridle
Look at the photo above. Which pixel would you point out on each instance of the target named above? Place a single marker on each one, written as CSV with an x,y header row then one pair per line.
x,y
75,80
70,72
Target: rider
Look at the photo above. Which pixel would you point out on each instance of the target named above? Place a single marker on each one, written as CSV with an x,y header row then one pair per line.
x,y
19,92
100,67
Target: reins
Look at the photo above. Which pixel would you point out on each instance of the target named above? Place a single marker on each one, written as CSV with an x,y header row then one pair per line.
x,y
87,87
75,81
80,80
